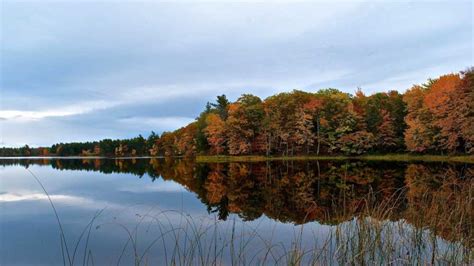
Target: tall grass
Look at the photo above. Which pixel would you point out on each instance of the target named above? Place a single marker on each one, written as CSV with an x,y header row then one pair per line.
x,y
371,237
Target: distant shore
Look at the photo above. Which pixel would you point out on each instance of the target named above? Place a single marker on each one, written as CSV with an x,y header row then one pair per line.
x,y
387,157
260,158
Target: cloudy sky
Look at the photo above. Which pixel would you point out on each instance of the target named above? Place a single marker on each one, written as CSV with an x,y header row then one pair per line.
x,y
82,70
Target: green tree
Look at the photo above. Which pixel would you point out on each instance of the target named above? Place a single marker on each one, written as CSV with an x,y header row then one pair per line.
x,y
221,106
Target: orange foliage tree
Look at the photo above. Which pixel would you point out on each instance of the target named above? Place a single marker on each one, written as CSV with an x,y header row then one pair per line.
x,y
216,133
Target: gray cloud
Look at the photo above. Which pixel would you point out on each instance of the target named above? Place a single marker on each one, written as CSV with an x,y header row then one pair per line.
x,y
101,69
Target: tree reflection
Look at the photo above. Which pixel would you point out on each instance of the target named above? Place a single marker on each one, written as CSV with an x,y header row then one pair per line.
x,y
442,198
437,196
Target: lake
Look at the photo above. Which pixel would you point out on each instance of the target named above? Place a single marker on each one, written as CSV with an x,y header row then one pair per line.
x,y
154,211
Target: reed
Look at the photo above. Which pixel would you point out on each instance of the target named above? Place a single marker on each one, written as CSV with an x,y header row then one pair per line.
x,y
368,238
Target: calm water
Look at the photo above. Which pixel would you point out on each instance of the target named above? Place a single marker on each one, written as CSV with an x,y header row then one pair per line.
x,y
140,200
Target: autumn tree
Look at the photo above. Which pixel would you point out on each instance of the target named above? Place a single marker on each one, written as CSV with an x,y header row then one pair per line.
x,y
421,133
220,107
304,135
342,124
314,107
185,140
244,123
462,109
386,137
351,136
166,144
282,111
451,103
308,123
439,115
216,133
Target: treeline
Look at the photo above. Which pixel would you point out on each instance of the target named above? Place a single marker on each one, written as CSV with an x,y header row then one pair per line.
x,y
435,118
138,146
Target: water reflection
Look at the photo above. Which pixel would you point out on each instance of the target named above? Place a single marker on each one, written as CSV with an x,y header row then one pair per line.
x,y
437,195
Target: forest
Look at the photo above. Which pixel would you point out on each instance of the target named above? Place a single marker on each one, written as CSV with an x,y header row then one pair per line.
x,y
436,117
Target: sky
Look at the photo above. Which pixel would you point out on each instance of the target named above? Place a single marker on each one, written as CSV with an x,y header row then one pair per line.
x,y
88,70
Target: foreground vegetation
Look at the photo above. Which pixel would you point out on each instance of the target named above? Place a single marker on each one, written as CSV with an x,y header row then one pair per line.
x,y
434,118
367,239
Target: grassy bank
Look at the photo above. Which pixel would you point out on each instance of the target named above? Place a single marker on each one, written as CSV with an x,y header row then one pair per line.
x,y
387,157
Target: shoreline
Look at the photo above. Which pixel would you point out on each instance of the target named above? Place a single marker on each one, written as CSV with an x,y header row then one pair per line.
x,y
387,157
260,158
